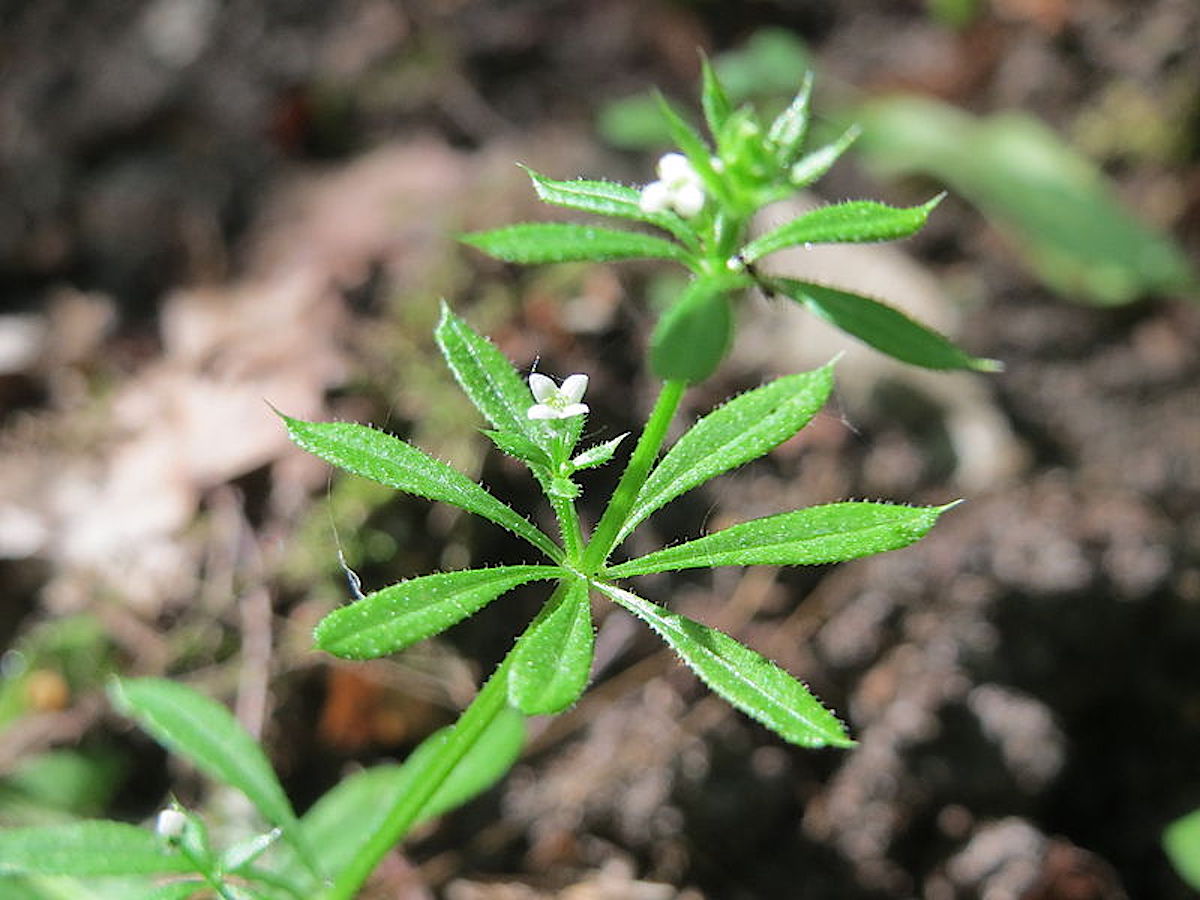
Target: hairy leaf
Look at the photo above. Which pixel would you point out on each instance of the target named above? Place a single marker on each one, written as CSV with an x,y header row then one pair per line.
x,y
380,457
552,660
819,534
746,679
553,242
731,435
787,133
694,334
398,616
858,221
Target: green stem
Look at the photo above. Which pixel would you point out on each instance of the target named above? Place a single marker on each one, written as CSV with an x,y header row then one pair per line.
x,y
475,719
568,525
634,476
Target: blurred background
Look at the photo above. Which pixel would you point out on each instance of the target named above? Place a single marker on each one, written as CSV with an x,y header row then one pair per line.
x,y
210,204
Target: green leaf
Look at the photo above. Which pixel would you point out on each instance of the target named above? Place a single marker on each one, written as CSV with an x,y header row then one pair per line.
x,y
1181,841
606,198
486,376
521,447
886,329
694,148
554,242
390,461
552,660
820,534
398,616
1056,206
693,336
599,454
86,849
858,221
814,166
787,133
360,803
747,680
713,98
206,733
731,435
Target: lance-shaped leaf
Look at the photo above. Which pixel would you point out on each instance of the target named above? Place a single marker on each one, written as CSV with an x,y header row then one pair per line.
x,y
713,99
485,375
87,849
694,334
786,134
819,534
694,148
858,221
551,661
746,679
205,732
816,164
599,454
554,242
606,198
360,804
734,433
886,329
380,457
402,614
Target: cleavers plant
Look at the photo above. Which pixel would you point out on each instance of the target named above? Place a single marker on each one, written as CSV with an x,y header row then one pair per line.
x,y
701,206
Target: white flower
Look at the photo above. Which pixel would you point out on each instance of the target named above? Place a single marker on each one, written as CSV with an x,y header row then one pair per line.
x,y
554,402
678,188
170,823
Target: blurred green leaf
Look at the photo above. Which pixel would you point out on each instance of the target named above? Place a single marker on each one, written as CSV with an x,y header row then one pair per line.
x,y
886,329
89,848
713,99
206,733
1181,841
551,662
835,532
693,336
553,242
402,614
747,680
1059,210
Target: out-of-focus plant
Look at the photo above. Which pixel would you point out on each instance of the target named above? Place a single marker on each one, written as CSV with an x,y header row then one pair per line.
x,y
700,208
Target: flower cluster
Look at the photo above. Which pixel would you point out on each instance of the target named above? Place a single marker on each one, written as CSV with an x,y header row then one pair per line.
x,y
678,188
554,402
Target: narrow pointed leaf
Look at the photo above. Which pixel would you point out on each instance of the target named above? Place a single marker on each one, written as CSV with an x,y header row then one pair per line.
x,y
859,221
553,242
552,660
86,849
380,457
787,133
743,429
694,148
486,376
519,446
814,166
360,804
598,455
693,336
713,98
744,678
402,614
886,329
820,534
206,733
606,198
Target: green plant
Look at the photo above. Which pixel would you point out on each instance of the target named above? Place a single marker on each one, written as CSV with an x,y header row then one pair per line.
x,y
702,205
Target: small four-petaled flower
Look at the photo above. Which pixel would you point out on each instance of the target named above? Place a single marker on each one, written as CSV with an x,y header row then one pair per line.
x,y
554,402
170,823
678,188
